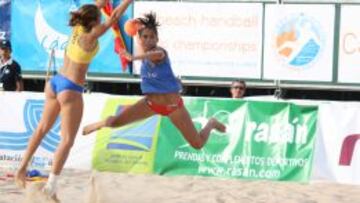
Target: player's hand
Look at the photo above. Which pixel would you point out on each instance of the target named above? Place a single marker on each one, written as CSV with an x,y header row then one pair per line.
x,y
126,54
101,3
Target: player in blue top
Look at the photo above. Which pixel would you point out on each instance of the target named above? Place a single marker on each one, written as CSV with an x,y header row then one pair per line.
x,y
161,90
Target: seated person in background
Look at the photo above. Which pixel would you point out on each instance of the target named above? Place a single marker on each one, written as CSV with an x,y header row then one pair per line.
x,y
238,89
10,71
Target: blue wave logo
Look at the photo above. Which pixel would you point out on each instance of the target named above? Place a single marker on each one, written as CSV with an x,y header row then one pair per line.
x,y
299,40
44,27
49,36
33,110
137,137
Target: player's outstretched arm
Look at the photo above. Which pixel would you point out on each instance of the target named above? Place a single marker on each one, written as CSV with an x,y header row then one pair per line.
x,y
153,55
115,16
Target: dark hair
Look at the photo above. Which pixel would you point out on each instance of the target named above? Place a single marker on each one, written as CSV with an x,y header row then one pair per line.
x,y
85,16
149,22
5,45
238,81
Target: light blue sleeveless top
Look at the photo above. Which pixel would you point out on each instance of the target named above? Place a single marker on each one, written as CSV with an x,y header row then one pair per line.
x,y
158,78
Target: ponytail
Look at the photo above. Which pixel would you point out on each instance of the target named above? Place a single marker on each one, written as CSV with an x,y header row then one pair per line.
x,y
85,16
149,21
75,18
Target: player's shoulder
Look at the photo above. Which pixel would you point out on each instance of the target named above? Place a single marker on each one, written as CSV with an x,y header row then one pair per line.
x,y
15,63
161,49
16,66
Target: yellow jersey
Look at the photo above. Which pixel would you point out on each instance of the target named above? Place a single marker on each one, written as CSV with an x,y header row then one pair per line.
x,y
75,52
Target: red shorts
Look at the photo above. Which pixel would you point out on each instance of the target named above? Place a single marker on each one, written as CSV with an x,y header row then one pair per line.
x,y
164,110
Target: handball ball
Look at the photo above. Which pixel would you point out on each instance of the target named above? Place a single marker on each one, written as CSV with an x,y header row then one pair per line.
x,y
131,27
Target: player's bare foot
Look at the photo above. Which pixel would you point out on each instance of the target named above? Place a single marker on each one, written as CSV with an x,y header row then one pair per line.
x,y
93,127
20,178
90,128
98,125
217,125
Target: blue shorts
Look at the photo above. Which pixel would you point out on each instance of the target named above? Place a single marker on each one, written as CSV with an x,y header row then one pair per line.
x,y
60,83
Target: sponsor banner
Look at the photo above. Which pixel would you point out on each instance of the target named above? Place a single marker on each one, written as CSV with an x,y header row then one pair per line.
x,y
299,42
337,152
349,45
19,120
42,26
203,38
5,16
126,149
17,123
264,140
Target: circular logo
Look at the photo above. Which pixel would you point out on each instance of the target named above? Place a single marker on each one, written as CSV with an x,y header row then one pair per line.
x,y
298,41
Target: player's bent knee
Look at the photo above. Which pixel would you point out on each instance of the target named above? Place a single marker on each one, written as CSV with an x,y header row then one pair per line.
x,y
196,145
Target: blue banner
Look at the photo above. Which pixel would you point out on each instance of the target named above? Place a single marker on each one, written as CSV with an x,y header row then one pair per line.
x,y
5,14
41,26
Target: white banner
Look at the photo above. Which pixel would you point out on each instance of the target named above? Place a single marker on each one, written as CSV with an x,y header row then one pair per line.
x,y
19,117
209,40
299,42
336,156
349,45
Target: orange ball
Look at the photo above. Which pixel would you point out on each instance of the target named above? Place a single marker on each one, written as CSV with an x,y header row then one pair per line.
x,y
131,27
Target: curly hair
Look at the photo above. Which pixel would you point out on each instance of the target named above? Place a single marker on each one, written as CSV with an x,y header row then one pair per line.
x,y
149,22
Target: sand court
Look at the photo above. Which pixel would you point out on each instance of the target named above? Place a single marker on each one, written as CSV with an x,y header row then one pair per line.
x,y
34,194
105,187
115,187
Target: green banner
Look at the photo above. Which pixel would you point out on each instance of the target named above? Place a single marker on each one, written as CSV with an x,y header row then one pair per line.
x,y
264,140
127,149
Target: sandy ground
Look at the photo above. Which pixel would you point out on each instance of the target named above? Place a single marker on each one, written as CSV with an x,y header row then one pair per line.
x,y
95,187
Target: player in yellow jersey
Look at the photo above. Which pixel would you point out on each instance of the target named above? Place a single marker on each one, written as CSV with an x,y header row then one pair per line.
x,y
63,92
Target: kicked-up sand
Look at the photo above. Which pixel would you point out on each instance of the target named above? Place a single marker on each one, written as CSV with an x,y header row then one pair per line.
x,y
105,187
